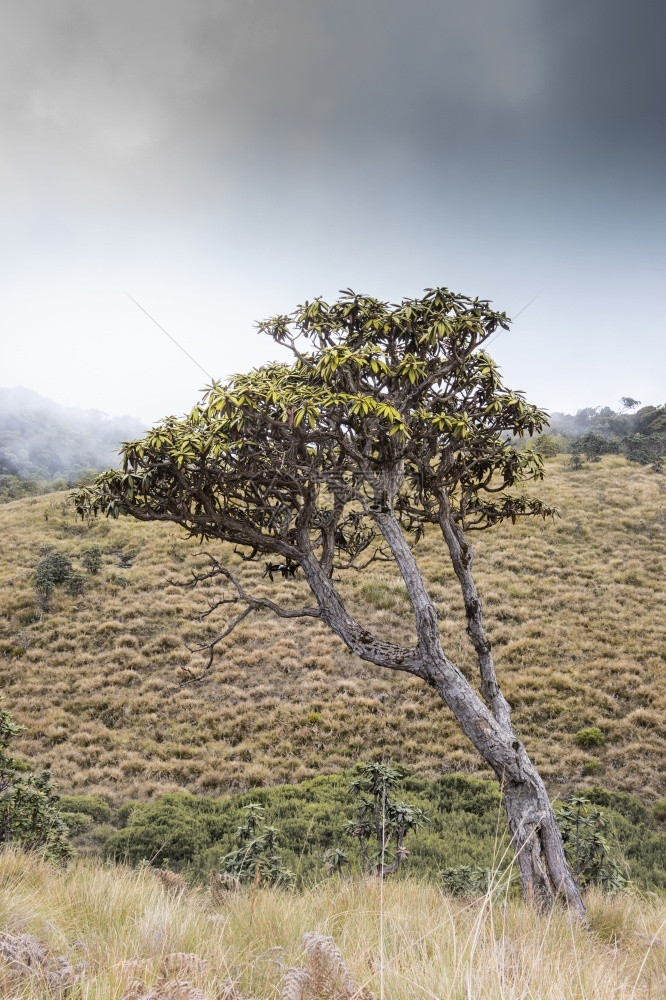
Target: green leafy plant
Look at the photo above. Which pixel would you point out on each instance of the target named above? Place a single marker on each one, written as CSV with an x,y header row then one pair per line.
x,y
590,854
336,861
465,880
92,559
29,808
256,860
595,445
168,828
547,445
659,810
55,569
381,824
575,463
590,737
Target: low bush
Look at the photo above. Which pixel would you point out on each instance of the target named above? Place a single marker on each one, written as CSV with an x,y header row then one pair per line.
x,y
593,859
465,880
77,823
90,805
467,828
91,559
590,737
55,569
256,859
168,830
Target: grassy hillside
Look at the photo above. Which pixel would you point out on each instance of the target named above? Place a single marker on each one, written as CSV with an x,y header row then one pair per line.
x,y
575,609
113,934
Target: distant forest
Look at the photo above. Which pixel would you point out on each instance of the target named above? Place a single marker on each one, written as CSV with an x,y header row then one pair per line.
x,y
637,432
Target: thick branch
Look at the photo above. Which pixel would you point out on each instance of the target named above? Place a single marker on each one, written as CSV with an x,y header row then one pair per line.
x,y
357,639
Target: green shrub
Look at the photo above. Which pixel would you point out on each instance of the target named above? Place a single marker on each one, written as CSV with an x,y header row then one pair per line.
x,y
92,559
126,812
645,449
548,445
77,823
29,807
468,827
595,445
380,824
53,570
593,858
255,859
465,880
167,830
659,810
90,805
590,737
620,802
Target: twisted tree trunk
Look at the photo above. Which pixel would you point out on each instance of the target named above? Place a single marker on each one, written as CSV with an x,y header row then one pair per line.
x,y
540,858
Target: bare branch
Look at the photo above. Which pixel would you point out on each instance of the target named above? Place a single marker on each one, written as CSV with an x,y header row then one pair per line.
x,y
241,596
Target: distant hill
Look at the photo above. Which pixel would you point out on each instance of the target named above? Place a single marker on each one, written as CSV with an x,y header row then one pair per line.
x,y
574,609
41,440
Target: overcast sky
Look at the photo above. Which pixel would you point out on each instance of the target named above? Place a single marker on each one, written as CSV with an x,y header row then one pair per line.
x,y
223,161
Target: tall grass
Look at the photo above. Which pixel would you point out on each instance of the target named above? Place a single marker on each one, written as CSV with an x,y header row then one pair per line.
x,y
124,926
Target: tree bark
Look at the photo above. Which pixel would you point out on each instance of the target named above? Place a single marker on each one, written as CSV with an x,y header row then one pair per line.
x,y
544,871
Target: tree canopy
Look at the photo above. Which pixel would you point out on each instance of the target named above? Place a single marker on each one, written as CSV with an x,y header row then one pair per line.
x,y
372,388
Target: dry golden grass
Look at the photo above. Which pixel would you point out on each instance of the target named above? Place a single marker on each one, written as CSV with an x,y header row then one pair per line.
x,y
574,607
126,936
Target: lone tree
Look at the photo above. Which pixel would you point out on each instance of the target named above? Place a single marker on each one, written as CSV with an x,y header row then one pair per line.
x,y
390,418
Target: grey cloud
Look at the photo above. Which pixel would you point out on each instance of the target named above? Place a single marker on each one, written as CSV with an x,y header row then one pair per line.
x,y
113,85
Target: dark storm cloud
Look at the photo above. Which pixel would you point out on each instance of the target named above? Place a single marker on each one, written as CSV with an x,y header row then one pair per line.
x,y
91,90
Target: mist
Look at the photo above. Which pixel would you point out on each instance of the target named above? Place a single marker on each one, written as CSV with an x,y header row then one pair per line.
x,y
40,439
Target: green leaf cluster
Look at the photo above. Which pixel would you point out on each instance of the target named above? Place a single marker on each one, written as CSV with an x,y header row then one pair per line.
x,y
380,824
589,852
256,860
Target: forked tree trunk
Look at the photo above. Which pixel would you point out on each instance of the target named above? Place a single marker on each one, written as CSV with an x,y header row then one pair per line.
x,y
544,871
540,858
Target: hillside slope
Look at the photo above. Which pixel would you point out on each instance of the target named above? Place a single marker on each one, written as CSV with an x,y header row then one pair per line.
x,y
575,609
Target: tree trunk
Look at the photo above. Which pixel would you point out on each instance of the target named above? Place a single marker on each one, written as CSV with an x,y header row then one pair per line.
x,y
537,843
544,871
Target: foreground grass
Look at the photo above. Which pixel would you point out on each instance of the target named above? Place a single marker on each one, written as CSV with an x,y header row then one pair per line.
x,y
406,940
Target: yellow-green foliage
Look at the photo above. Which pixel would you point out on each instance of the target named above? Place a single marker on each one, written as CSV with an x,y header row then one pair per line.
x,y
574,608
118,928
